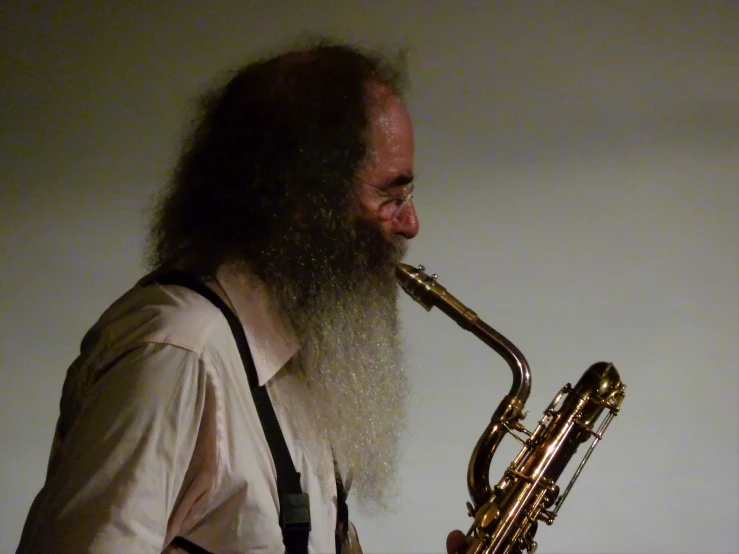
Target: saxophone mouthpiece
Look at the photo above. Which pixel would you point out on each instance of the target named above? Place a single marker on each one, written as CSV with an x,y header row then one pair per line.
x,y
416,284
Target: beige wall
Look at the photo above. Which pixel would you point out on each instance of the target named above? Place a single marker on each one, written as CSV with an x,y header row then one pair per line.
x,y
578,188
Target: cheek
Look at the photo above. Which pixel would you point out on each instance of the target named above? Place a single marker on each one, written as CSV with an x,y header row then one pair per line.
x,y
366,211
367,215
387,230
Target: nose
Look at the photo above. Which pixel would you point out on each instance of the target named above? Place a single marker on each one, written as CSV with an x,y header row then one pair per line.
x,y
406,222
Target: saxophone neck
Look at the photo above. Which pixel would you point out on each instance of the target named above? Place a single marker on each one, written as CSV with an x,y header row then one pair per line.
x,y
425,290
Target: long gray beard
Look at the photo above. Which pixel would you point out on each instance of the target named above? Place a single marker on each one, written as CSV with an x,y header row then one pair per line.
x,y
353,363
352,360
335,285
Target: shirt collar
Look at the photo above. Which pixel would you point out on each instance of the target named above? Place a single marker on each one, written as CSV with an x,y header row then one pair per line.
x,y
271,341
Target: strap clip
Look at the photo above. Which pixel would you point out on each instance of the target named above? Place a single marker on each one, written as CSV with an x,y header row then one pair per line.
x,y
295,512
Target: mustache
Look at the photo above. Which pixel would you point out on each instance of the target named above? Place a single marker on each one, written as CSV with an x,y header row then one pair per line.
x,y
400,245
380,251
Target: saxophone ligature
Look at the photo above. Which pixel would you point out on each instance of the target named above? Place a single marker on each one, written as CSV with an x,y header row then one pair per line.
x,y
506,516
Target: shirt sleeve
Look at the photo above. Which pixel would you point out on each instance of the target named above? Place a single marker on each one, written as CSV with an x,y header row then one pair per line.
x,y
121,465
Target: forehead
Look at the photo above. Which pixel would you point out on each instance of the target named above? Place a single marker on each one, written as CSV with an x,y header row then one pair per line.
x,y
389,117
391,131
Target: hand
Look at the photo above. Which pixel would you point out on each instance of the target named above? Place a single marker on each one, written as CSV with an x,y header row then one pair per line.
x,y
454,541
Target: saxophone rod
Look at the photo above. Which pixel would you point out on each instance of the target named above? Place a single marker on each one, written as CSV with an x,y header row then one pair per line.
x,y
598,437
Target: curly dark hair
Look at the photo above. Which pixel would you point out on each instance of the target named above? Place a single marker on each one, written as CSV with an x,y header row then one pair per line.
x,y
282,140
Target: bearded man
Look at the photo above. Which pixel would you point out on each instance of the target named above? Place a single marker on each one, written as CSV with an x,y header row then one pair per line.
x,y
292,203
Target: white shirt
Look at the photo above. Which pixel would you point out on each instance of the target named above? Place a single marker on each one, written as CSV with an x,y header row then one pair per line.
x,y
158,435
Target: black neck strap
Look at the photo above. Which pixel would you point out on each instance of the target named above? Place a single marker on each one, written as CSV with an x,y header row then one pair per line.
x,y
294,503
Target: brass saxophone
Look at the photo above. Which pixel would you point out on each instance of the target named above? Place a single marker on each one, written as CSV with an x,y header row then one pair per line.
x,y
506,516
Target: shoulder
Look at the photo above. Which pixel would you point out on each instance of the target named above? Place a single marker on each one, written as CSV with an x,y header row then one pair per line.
x,y
149,342
156,314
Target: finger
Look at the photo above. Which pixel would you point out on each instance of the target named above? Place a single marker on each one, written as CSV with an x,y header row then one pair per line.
x,y
454,541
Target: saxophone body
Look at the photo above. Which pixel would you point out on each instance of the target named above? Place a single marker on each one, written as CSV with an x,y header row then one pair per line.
x,y
506,516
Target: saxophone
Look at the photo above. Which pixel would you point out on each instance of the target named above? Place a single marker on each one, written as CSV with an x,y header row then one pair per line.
x,y
506,516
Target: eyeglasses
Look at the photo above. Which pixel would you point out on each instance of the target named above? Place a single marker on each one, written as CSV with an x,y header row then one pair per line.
x,y
392,202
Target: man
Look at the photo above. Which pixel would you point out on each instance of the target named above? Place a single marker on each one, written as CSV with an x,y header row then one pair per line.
x,y
292,202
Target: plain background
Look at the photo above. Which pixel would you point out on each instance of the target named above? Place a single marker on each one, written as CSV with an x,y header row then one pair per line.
x,y
578,187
